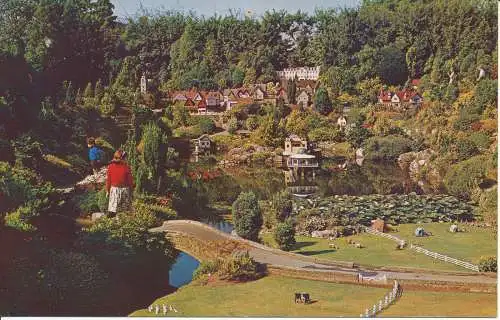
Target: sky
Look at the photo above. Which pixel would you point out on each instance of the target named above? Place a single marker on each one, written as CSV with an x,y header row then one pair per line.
x,y
128,8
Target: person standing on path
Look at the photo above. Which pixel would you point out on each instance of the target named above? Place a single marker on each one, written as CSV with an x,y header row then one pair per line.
x,y
119,184
95,155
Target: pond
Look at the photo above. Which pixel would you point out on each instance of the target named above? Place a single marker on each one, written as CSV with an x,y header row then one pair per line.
x,y
332,178
181,272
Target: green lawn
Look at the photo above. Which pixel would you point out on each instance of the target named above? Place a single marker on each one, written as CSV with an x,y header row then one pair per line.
x,y
469,246
380,251
273,296
443,304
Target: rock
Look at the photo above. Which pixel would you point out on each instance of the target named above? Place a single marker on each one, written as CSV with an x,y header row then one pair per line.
x,y
97,215
360,153
322,234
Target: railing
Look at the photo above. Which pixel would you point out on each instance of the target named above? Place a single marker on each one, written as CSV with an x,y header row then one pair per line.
x,y
389,298
434,255
385,235
444,258
302,165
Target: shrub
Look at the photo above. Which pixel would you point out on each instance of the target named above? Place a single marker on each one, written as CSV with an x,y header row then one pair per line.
x,y
387,148
314,223
465,121
463,177
28,151
284,234
87,202
325,134
252,123
17,220
488,264
232,125
240,267
466,148
207,267
206,125
161,212
247,216
357,135
282,205
480,139
129,234
22,188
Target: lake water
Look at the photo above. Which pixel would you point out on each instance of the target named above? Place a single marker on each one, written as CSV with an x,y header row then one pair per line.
x,y
181,272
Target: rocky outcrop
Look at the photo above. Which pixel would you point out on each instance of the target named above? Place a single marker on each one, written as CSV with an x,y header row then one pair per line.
x,y
420,169
93,181
250,154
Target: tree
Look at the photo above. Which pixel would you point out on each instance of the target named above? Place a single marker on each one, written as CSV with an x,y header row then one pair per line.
x,y
88,97
98,90
322,102
247,216
232,125
284,234
206,125
391,65
291,91
282,205
107,105
356,135
70,94
153,158
237,77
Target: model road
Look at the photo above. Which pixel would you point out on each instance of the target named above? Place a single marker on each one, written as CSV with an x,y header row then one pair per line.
x,y
262,254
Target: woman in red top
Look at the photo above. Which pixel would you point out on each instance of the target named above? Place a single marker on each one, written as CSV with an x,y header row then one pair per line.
x,y
119,184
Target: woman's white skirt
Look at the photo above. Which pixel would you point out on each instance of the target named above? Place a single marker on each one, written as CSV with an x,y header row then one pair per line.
x,y
119,200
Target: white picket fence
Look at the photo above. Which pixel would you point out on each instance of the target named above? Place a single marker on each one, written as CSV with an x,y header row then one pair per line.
x,y
385,235
384,303
431,254
444,258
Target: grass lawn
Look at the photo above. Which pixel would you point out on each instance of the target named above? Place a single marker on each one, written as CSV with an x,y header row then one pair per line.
x,y
378,251
469,246
273,296
443,304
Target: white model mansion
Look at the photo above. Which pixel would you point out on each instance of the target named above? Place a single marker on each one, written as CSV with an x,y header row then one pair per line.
x,y
302,73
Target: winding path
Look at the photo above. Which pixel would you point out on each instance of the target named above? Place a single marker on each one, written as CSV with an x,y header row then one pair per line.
x,y
305,264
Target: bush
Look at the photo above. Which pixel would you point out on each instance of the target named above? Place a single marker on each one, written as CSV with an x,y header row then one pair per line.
x,y
87,202
282,205
240,268
22,189
247,216
466,148
387,148
463,177
325,134
252,123
129,234
488,264
207,267
206,125
480,139
357,135
465,120
232,125
284,234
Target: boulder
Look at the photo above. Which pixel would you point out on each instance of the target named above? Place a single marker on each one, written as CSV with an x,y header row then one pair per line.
x,y
360,153
97,215
323,233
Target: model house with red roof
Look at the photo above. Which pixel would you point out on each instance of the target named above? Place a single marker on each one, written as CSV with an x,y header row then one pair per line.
x,y
400,99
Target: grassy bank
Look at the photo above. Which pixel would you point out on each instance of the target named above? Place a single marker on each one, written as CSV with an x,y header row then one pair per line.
x,y
273,296
378,251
